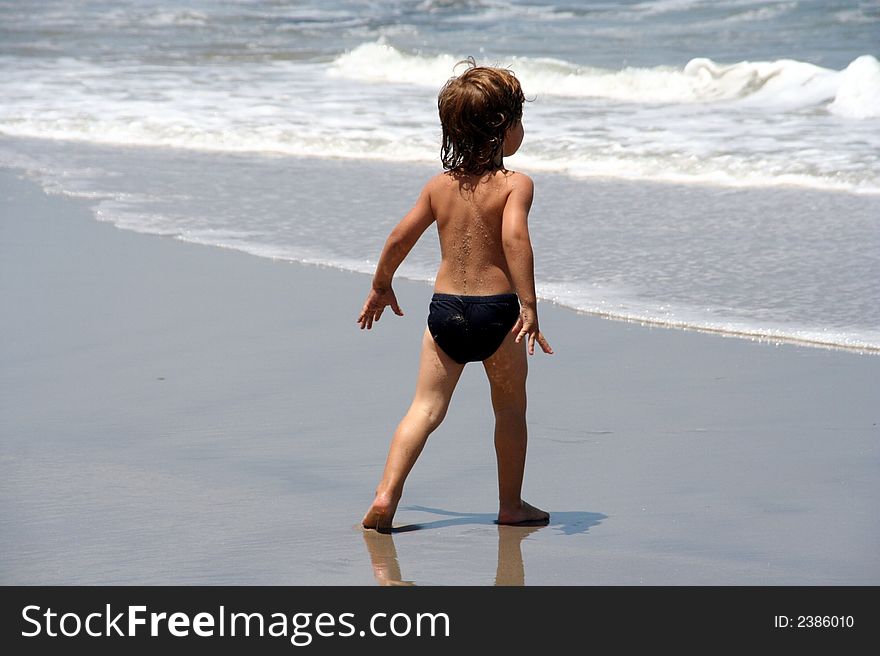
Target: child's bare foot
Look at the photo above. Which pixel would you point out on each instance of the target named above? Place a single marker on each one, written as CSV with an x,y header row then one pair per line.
x,y
524,513
381,513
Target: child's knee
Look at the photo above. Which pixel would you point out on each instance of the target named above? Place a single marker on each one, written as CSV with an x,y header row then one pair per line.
x,y
510,409
509,399
431,413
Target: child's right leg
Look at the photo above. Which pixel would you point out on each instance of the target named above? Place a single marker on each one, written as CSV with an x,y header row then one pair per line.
x,y
438,375
506,370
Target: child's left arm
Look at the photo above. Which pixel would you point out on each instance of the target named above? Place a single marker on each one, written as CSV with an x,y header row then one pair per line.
x,y
398,245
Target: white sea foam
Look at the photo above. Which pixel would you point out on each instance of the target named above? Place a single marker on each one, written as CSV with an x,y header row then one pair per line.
x,y
700,80
858,95
381,62
741,124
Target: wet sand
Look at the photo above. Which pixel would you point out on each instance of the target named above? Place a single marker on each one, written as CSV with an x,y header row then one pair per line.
x,y
180,414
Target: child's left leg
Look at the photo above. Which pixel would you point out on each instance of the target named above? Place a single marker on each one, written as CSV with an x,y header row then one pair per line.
x,y
507,369
438,375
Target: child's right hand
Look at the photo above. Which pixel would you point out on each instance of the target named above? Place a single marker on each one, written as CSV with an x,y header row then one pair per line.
x,y
527,325
377,300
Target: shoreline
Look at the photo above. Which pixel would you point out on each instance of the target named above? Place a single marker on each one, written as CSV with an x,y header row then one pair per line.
x,y
735,334
175,413
144,204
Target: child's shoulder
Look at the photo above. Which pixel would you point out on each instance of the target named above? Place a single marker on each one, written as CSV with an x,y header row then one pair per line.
x,y
512,175
520,186
439,180
515,178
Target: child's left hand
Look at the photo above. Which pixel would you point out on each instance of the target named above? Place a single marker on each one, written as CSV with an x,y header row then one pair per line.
x,y
376,302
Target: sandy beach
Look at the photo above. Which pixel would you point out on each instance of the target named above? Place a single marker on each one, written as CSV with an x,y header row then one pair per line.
x,y
182,414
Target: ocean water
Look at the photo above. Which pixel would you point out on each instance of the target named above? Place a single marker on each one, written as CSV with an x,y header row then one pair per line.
x,y
713,164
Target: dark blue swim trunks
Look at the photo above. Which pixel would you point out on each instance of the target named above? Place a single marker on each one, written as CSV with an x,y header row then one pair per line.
x,y
471,328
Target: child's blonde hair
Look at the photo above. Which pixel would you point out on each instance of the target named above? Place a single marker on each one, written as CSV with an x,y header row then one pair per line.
x,y
476,110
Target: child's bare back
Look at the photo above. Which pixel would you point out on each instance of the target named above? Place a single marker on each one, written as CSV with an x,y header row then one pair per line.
x,y
469,210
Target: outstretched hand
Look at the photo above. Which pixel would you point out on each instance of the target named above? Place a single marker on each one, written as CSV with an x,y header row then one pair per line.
x,y
375,304
527,326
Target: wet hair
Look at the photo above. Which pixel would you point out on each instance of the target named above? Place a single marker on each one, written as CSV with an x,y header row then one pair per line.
x,y
476,110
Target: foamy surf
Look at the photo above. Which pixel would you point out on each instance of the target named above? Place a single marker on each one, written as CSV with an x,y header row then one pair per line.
x,y
746,124
858,93
700,80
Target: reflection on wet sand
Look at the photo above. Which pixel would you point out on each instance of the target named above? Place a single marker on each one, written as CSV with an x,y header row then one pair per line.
x,y
383,557
510,569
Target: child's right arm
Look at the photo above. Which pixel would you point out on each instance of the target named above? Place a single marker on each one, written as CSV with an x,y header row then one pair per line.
x,y
398,245
520,260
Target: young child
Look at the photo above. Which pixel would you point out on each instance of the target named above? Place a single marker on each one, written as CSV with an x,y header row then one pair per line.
x,y
484,308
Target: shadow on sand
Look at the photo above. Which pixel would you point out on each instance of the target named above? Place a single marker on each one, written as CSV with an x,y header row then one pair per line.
x,y
569,523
